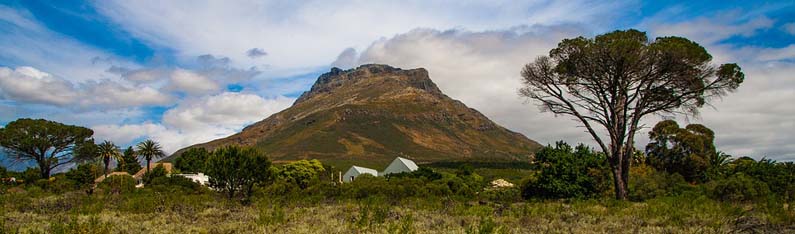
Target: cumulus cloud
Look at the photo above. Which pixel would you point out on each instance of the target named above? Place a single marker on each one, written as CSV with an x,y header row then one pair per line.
x,y
197,121
192,83
27,84
347,59
256,53
30,85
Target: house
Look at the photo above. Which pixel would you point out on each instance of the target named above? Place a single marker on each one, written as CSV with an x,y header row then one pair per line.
x,y
200,178
399,165
356,171
115,173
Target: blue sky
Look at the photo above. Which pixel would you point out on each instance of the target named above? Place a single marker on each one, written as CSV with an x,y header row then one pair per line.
x,y
185,72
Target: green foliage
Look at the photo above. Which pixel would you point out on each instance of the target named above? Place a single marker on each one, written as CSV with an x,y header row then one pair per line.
x,y
192,160
175,184
568,172
149,150
234,168
108,151
50,144
118,184
648,183
687,151
83,175
301,172
3,172
157,172
740,188
30,175
779,177
130,163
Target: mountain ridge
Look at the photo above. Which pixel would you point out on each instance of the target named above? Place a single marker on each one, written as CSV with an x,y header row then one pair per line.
x,y
376,112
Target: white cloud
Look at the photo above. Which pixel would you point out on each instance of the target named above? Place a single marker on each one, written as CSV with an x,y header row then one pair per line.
x,y
192,83
27,84
30,85
197,121
303,35
710,30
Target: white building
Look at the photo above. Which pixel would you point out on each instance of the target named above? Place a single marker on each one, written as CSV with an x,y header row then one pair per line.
x,y
200,178
356,171
399,165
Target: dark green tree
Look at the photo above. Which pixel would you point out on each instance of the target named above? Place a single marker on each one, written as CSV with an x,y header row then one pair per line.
x,y
149,150
192,160
611,82
130,163
84,175
50,144
567,172
688,151
158,171
235,169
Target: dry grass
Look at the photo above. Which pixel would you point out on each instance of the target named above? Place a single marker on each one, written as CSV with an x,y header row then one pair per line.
x,y
153,213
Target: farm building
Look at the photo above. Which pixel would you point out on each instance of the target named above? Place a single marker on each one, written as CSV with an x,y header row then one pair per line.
x,y
399,165
356,171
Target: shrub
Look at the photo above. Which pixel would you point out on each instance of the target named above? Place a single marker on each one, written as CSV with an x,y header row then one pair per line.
x,y
739,188
158,171
176,184
647,183
568,172
192,161
118,184
301,172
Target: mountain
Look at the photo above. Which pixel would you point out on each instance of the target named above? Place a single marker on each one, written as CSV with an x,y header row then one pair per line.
x,y
370,115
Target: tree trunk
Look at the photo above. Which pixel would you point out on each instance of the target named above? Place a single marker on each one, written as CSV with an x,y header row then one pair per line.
x,y
620,167
147,165
45,172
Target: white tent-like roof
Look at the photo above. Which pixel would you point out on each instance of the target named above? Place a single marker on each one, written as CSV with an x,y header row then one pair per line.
x,y
400,165
356,171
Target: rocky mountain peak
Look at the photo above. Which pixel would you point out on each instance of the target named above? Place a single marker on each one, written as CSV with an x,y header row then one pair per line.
x,y
366,75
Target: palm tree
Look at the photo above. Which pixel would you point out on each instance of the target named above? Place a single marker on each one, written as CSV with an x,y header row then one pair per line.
x,y
107,151
148,150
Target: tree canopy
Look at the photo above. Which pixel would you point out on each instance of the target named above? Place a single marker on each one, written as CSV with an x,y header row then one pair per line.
x,y
192,160
688,151
149,150
614,80
50,144
235,169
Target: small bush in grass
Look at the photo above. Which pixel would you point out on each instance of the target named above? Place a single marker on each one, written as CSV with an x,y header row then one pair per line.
x,y
568,172
739,188
647,183
118,184
176,184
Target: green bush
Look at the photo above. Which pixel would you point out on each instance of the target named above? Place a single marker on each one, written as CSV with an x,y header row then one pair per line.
x,y
647,183
739,188
176,184
158,171
118,184
567,172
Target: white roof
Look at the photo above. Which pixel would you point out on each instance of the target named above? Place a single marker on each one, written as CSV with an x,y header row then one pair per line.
x,y
363,170
400,165
410,164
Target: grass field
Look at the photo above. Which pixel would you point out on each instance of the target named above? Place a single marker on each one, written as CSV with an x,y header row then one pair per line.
x,y
148,211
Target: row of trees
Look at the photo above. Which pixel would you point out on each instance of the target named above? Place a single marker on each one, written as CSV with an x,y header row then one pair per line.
x,y
51,145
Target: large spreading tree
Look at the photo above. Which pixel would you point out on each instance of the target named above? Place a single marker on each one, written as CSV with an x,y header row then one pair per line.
x,y
234,169
611,82
49,144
